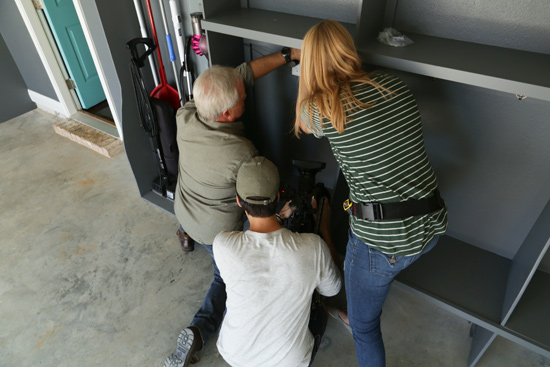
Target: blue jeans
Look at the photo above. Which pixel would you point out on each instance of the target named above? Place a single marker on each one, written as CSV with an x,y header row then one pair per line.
x,y
209,317
368,276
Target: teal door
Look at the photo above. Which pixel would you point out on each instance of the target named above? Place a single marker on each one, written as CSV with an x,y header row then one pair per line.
x,y
68,34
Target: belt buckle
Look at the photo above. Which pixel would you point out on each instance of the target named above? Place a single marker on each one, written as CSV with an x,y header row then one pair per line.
x,y
347,205
372,211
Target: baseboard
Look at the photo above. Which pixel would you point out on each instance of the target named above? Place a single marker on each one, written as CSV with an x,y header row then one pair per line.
x,y
48,104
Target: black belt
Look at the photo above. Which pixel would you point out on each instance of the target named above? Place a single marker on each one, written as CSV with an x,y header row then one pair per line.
x,y
403,209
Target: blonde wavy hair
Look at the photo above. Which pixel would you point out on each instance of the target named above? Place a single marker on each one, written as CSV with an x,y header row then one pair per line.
x,y
329,64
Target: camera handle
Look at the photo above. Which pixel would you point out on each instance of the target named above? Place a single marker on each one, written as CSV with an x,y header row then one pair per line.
x,y
320,206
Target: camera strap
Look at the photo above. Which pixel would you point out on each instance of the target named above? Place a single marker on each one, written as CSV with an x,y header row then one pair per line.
x,y
374,211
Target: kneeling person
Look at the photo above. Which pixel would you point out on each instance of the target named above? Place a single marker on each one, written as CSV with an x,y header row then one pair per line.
x,y
270,275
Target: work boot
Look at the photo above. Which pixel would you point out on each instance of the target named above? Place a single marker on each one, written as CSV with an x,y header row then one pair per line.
x,y
187,243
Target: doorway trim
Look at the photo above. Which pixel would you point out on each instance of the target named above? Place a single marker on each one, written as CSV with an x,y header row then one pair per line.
x,y
95,38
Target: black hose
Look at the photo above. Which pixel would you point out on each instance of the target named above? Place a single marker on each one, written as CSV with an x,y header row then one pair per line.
x,y
148,123
187,69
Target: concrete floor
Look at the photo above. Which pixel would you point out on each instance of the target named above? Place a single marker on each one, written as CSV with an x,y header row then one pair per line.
x,y
92,275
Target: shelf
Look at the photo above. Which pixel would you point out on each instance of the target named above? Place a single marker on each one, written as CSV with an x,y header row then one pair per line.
x,y
508,70
527,261
529,320
465,278
265,26
498,68
160,201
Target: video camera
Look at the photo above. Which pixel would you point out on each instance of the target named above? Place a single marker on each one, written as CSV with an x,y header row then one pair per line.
x,y
303,219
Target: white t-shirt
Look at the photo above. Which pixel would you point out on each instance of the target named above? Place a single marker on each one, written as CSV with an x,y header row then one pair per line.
x,y
270,279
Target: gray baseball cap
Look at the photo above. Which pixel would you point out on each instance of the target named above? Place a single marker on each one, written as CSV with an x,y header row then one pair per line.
x,y
258,181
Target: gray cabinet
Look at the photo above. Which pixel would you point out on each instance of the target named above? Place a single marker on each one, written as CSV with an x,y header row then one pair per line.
x,y
502,296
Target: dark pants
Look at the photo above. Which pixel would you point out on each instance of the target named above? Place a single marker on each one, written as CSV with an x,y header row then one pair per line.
x,y
209,317
317,324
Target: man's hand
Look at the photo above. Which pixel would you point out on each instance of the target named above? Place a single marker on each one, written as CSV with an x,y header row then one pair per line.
x,y
287,210
266,64
324,228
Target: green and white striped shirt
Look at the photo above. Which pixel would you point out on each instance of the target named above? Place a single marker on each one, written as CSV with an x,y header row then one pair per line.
x,y
381,154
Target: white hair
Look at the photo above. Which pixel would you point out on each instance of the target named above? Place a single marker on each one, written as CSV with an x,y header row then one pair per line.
x,y
215,91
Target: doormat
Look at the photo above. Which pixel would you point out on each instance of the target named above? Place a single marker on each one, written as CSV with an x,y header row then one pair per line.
x,y
96,140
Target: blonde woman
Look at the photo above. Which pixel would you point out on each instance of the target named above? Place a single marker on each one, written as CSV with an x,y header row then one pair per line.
x,y
374,128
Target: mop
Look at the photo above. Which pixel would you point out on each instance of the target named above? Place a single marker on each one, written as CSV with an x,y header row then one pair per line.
x,y
164,90
170,50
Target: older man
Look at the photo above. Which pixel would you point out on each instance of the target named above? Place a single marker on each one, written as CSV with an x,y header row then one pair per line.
x,y
212,148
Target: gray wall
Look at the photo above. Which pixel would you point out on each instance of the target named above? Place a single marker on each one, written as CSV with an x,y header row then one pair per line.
x,y
22,48
491,154
341,10
506,23
490,149
14,97
120,25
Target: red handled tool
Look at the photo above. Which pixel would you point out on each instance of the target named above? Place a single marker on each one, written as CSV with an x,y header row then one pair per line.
x,y
164,90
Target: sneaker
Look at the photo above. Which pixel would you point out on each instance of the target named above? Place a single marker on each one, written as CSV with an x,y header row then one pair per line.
x,y
187,345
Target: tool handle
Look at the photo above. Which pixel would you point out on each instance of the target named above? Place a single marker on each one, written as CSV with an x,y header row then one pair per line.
x,y
162,73
170,47
132,46
178,28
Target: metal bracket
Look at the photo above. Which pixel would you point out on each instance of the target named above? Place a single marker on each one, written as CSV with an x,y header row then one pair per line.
x,y
70,84
296,70
38,4
347,204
